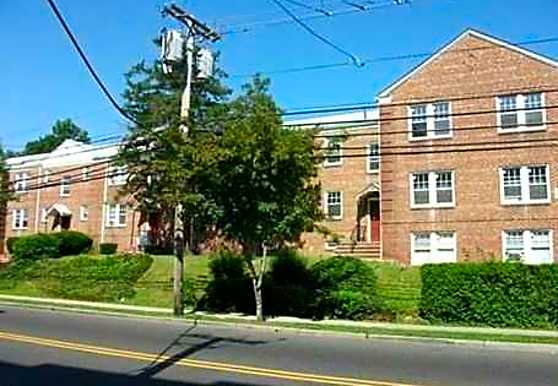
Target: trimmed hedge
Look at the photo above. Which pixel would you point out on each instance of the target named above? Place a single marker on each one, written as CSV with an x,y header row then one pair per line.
x,y
491,294
346,288
73,243
10,243
39,246
108,248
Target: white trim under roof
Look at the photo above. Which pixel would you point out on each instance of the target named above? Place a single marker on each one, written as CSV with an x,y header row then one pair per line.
x,y
469,32
332,119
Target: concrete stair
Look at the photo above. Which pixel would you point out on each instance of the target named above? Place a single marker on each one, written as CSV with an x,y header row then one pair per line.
x,y
367,250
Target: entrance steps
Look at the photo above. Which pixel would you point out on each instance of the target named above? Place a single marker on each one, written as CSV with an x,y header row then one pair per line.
x,y
363,249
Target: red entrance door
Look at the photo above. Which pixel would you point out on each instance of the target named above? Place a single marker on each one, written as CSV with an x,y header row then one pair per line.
x,y
374,210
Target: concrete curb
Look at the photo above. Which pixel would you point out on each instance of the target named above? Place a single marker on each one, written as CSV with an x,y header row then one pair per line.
x,y
123,311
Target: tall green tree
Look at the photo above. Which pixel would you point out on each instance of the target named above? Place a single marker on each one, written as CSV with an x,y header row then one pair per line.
x,y
265,191
165,165
61,130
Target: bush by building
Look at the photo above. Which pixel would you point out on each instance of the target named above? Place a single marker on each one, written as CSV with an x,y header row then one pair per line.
x,y
73,243
492,294
38,246
346,288
10,241
108,248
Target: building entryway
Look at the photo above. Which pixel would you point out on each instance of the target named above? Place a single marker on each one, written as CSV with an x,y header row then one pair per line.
x,y
368,221
59,217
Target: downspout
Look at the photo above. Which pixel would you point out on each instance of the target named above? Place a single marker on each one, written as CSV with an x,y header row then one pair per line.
x,y
38,200
104,206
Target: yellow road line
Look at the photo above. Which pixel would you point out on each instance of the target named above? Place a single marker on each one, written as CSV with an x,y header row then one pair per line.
x,y
200,364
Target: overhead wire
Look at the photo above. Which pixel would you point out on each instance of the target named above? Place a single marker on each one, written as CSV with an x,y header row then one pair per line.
x,y
311,31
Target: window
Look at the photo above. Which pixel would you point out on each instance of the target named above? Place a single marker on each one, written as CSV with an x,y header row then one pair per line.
x,y
333,152
117,175
65,186
20,182
520,112
334,208
20,220
430,121
528,246
44,215
85,173
373,162
433,247
525,185
116,215
83,213
432,189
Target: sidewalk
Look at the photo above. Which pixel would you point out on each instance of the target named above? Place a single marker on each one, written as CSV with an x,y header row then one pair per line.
x,y
376,329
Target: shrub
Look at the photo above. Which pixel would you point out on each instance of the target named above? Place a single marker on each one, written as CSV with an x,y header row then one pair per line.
x,y
229,288
110,278
108,248
288,287
10,243
493,294
37,246
346,287
73,243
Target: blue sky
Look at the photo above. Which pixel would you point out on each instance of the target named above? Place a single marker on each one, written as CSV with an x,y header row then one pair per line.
x,y
43,79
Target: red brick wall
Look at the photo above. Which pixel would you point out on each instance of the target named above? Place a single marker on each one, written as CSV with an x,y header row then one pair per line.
x,y
87,193
350,178
478,217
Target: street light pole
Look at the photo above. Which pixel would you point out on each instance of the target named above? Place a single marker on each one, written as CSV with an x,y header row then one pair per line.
x,y
194,28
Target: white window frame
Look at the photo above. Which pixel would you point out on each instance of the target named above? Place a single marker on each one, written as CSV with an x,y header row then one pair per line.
x,y
525,193
20,182
20,219
85,173
327,149
326,204
435,253
430,118
432,190
120,178
373,158
65,182
521,120
527,256
114,215
83,213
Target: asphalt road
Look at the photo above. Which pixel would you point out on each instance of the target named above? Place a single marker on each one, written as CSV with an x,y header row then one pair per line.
x,y
57,348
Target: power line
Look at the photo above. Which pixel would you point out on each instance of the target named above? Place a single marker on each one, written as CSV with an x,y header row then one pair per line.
x,y
299,21
88,64
380,59
246,27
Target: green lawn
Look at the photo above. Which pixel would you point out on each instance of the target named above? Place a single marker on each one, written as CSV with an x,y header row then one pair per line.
x,y
398,286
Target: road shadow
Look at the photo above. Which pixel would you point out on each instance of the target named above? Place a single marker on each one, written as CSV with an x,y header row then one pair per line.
x,y
193,343
56,375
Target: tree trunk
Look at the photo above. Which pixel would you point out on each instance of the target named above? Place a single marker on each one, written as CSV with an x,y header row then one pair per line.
x,y
259,300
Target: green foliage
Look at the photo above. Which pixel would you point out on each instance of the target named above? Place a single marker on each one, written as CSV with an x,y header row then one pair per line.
x,y
288,287
108,248
492,294
229,288
39,246
346,289
73,243
10,241
61,131
15,272
111,278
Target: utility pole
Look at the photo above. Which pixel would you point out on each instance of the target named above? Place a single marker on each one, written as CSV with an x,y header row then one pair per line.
x,y
194,29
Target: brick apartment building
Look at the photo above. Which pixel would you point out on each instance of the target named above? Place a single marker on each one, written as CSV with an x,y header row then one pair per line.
x,y
467,168
441,205
74,187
